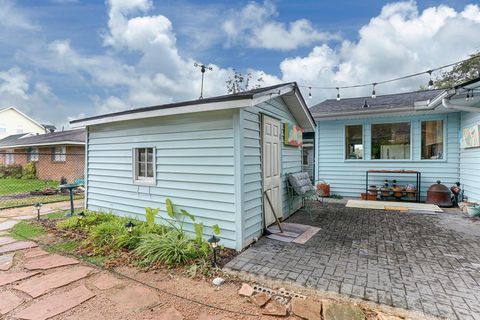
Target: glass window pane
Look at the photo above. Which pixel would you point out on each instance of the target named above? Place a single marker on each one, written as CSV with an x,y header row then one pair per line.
x,y
354,142
141,155
141,169
391,141
432,139
150,154
149,169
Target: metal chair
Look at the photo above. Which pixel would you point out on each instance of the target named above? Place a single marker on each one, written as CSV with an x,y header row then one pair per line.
x,y
300,185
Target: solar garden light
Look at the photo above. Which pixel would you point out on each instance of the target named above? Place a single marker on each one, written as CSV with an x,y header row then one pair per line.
x,y
81,215
213,242
129,226
38,206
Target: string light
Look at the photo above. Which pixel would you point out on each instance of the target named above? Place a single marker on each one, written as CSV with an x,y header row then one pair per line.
x,y
310,92
365,104
471,95
430,82
468,95
429,72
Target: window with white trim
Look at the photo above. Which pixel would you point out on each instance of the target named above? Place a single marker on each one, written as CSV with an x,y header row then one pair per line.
x,y
144,165
3,128
32,154
391,141
9,157
432,140
59,154
19,129
353,142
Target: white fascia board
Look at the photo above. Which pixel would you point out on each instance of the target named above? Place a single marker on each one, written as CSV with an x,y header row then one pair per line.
x,y
201,107
386,113
69,143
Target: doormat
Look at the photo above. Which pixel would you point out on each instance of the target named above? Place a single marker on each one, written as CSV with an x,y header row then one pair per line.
x,y
292,232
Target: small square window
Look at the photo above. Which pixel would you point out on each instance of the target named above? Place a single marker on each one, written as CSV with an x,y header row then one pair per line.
x,y
32,154
59,154
144,166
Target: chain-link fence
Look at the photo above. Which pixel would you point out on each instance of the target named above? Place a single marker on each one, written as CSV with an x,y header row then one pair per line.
x,y
27,178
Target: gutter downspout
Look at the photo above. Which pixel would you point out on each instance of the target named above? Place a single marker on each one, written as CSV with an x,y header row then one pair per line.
x,y
446,103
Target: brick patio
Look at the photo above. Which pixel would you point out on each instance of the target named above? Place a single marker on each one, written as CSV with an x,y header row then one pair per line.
x,y
428,263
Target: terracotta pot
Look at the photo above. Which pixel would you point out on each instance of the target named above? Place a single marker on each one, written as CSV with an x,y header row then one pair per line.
x,y
411,194
324,189
398,192
371,197
385,192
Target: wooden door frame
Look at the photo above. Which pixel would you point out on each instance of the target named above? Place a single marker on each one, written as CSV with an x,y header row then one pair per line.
x,y
262,116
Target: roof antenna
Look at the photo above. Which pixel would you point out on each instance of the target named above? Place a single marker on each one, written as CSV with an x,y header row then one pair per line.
x,y
203,68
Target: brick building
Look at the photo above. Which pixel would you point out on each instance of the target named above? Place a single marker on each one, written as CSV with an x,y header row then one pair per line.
x,y
56,155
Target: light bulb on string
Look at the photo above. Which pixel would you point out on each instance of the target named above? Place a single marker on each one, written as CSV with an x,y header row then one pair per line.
x,y
471,95
467,98
430,82
310,92
338,94
374,95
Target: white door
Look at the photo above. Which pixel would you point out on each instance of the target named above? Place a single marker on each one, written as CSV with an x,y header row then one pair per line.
x,y
271,167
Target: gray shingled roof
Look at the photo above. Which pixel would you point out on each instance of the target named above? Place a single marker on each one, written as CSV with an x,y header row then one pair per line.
x,y
234,96
75,136
11,139
383,102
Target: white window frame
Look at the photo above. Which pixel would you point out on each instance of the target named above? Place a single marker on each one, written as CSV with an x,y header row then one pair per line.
x,y
3,128
392,160
345,141
60,156
9,157
32,155
146,181
445,128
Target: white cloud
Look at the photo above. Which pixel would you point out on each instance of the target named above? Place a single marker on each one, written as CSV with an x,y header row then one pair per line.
x,y
255,26
399,41
13,18
14,82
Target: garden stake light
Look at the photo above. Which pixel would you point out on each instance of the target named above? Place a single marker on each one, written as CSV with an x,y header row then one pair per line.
x,y
81,215
38,206
129,226
213,242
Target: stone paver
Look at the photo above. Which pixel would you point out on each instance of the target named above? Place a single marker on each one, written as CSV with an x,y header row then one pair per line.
x,y
260,299
36,287
134,298
171,314
427,263
8,224
35,252
307,309
7,278
273,308
336,311
6,240
49,261
106,281
55,304
6,261
15,246
8,302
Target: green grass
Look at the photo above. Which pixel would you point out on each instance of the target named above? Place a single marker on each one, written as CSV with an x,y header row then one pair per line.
x,y
30,201
96,260
10,186
67,246
26,230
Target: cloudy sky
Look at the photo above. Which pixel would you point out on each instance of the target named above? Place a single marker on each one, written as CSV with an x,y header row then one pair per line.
x,y
65,59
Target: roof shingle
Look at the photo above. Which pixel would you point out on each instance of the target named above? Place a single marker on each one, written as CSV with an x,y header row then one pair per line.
x,y
77,135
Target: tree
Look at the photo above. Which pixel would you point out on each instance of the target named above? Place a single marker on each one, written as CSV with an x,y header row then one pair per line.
x,y
460,73
240,82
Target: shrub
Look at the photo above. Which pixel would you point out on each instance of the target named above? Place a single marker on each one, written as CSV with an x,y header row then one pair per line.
x,y
11,171
172,248
29,171
90,219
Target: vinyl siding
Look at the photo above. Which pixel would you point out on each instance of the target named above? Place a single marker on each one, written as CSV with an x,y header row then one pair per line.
x,y
470,161
290,162
347,177
194,167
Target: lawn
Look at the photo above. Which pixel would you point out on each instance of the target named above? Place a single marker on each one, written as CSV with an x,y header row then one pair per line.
x,y
10,186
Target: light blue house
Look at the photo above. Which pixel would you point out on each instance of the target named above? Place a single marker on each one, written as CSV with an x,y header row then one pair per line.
x,y
420,131
213,157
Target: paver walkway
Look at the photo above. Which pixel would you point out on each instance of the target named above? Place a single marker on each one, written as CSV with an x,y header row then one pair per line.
x,y
419,262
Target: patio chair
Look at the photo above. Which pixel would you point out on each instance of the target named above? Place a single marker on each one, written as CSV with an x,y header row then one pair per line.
x,y
300,185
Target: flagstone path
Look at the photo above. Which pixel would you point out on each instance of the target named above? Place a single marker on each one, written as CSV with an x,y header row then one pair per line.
x,y
37,285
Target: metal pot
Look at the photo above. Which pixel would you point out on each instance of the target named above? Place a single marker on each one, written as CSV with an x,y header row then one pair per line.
x,y
439,194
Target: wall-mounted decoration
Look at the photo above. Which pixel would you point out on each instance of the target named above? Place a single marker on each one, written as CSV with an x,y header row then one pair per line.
x,y
293,135
471,136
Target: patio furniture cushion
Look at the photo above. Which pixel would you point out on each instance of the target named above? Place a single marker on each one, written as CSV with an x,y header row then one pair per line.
x,y
301,183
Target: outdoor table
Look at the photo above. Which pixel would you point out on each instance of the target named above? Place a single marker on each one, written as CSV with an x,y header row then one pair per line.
x,y
70,187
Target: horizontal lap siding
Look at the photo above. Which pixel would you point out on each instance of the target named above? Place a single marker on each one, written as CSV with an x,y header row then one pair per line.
x,y
290,158
347,178
194,165
470,161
